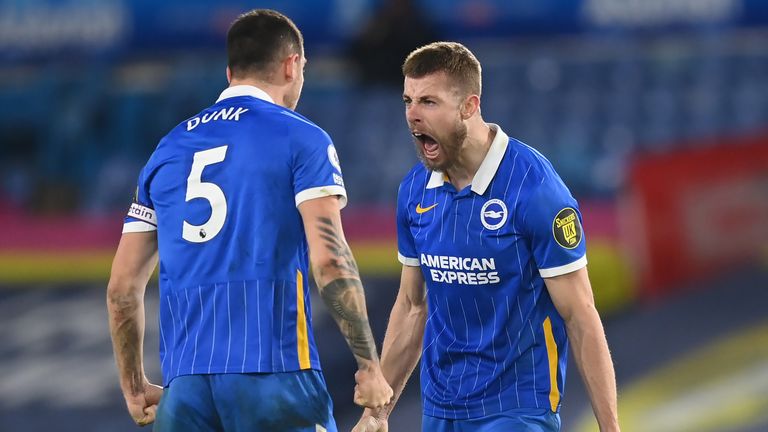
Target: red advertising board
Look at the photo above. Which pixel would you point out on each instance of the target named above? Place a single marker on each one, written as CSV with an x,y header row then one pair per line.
x,y
693,213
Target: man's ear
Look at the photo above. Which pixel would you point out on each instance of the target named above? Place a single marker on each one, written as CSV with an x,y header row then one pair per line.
x,y
470,106
229,75
289,66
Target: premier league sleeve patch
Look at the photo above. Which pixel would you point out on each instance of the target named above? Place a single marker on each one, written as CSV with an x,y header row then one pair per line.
x,y
566,228
333,157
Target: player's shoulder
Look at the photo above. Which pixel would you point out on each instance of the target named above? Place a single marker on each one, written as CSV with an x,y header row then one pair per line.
x,y
531,160
275,116
544,182
164,150
300,128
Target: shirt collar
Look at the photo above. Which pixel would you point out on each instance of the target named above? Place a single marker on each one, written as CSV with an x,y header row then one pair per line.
x,y
244,90
488,167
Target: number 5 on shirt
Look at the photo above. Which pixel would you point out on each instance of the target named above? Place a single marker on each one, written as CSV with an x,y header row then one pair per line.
x,y
196,188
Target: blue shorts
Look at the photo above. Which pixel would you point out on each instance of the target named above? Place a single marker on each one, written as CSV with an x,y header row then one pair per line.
x,y
516,420
279,402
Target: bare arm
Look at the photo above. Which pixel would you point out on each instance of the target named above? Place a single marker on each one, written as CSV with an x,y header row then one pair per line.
x,y
132,267
338,280
572,296
402,344
405,332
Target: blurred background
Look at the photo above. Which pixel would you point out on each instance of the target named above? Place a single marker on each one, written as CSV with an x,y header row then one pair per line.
x,y
654,112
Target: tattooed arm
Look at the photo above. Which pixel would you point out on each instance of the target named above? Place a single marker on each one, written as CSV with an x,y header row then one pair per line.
x,y
132,267
338,280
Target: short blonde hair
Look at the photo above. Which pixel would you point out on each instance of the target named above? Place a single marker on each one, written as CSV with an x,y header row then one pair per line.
x,y
452,58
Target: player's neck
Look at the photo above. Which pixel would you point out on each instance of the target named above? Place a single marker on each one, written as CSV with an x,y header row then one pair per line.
x,y
275,92
473,151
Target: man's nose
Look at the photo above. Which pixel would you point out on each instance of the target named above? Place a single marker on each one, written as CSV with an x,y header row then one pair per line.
x,y
412,114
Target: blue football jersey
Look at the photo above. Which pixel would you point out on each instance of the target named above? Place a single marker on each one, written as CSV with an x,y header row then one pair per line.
x,y
222,191
493,339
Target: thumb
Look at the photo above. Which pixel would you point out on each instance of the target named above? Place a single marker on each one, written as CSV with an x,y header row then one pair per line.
x,y
149,415
358,397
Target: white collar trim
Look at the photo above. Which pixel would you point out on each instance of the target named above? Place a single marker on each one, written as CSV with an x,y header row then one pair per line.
x,y
488,167
244,90
437,179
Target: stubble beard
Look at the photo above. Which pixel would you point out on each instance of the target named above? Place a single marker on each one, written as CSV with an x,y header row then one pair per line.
x,y
449,147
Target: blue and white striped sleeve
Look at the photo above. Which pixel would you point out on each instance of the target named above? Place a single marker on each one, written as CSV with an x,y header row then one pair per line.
x,y
317,170
554,225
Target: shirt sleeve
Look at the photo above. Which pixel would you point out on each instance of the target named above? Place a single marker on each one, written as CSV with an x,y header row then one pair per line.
x,y
317,170
406,246
141,215
553,223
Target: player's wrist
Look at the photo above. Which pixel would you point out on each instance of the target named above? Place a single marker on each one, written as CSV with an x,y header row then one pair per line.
x,y
133,389
369,365
382,414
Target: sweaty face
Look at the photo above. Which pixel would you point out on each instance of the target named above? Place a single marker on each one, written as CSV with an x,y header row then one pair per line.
x,y
434,118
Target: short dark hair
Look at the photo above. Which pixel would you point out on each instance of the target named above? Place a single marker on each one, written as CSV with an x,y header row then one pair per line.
x,y
452,58
260,38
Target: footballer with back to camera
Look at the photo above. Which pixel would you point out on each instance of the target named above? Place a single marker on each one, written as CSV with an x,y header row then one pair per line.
x,y
234,204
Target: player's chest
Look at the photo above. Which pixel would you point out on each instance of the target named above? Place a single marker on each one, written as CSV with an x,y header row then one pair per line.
x,y
472,224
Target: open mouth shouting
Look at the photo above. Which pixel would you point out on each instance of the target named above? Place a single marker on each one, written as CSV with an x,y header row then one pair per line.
x,y
429,146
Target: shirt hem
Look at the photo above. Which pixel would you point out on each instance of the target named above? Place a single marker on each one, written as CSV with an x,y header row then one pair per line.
x,y
223,370
477,412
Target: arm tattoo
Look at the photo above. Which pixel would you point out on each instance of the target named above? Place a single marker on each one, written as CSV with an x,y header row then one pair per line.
x,y
343,260
344,294
346,301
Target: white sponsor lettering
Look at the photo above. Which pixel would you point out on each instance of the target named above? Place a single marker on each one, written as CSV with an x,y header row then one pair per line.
x,y
461,270
458,263
464,278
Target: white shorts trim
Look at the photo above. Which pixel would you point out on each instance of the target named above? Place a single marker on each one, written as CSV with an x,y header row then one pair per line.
x,y
564,269
138,226
410,262
323,191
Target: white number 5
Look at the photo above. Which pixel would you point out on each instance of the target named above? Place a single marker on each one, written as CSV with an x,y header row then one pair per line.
x,y
196,188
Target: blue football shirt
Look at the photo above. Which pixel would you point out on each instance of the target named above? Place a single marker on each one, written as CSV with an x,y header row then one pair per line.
x,y
222,191
493,339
